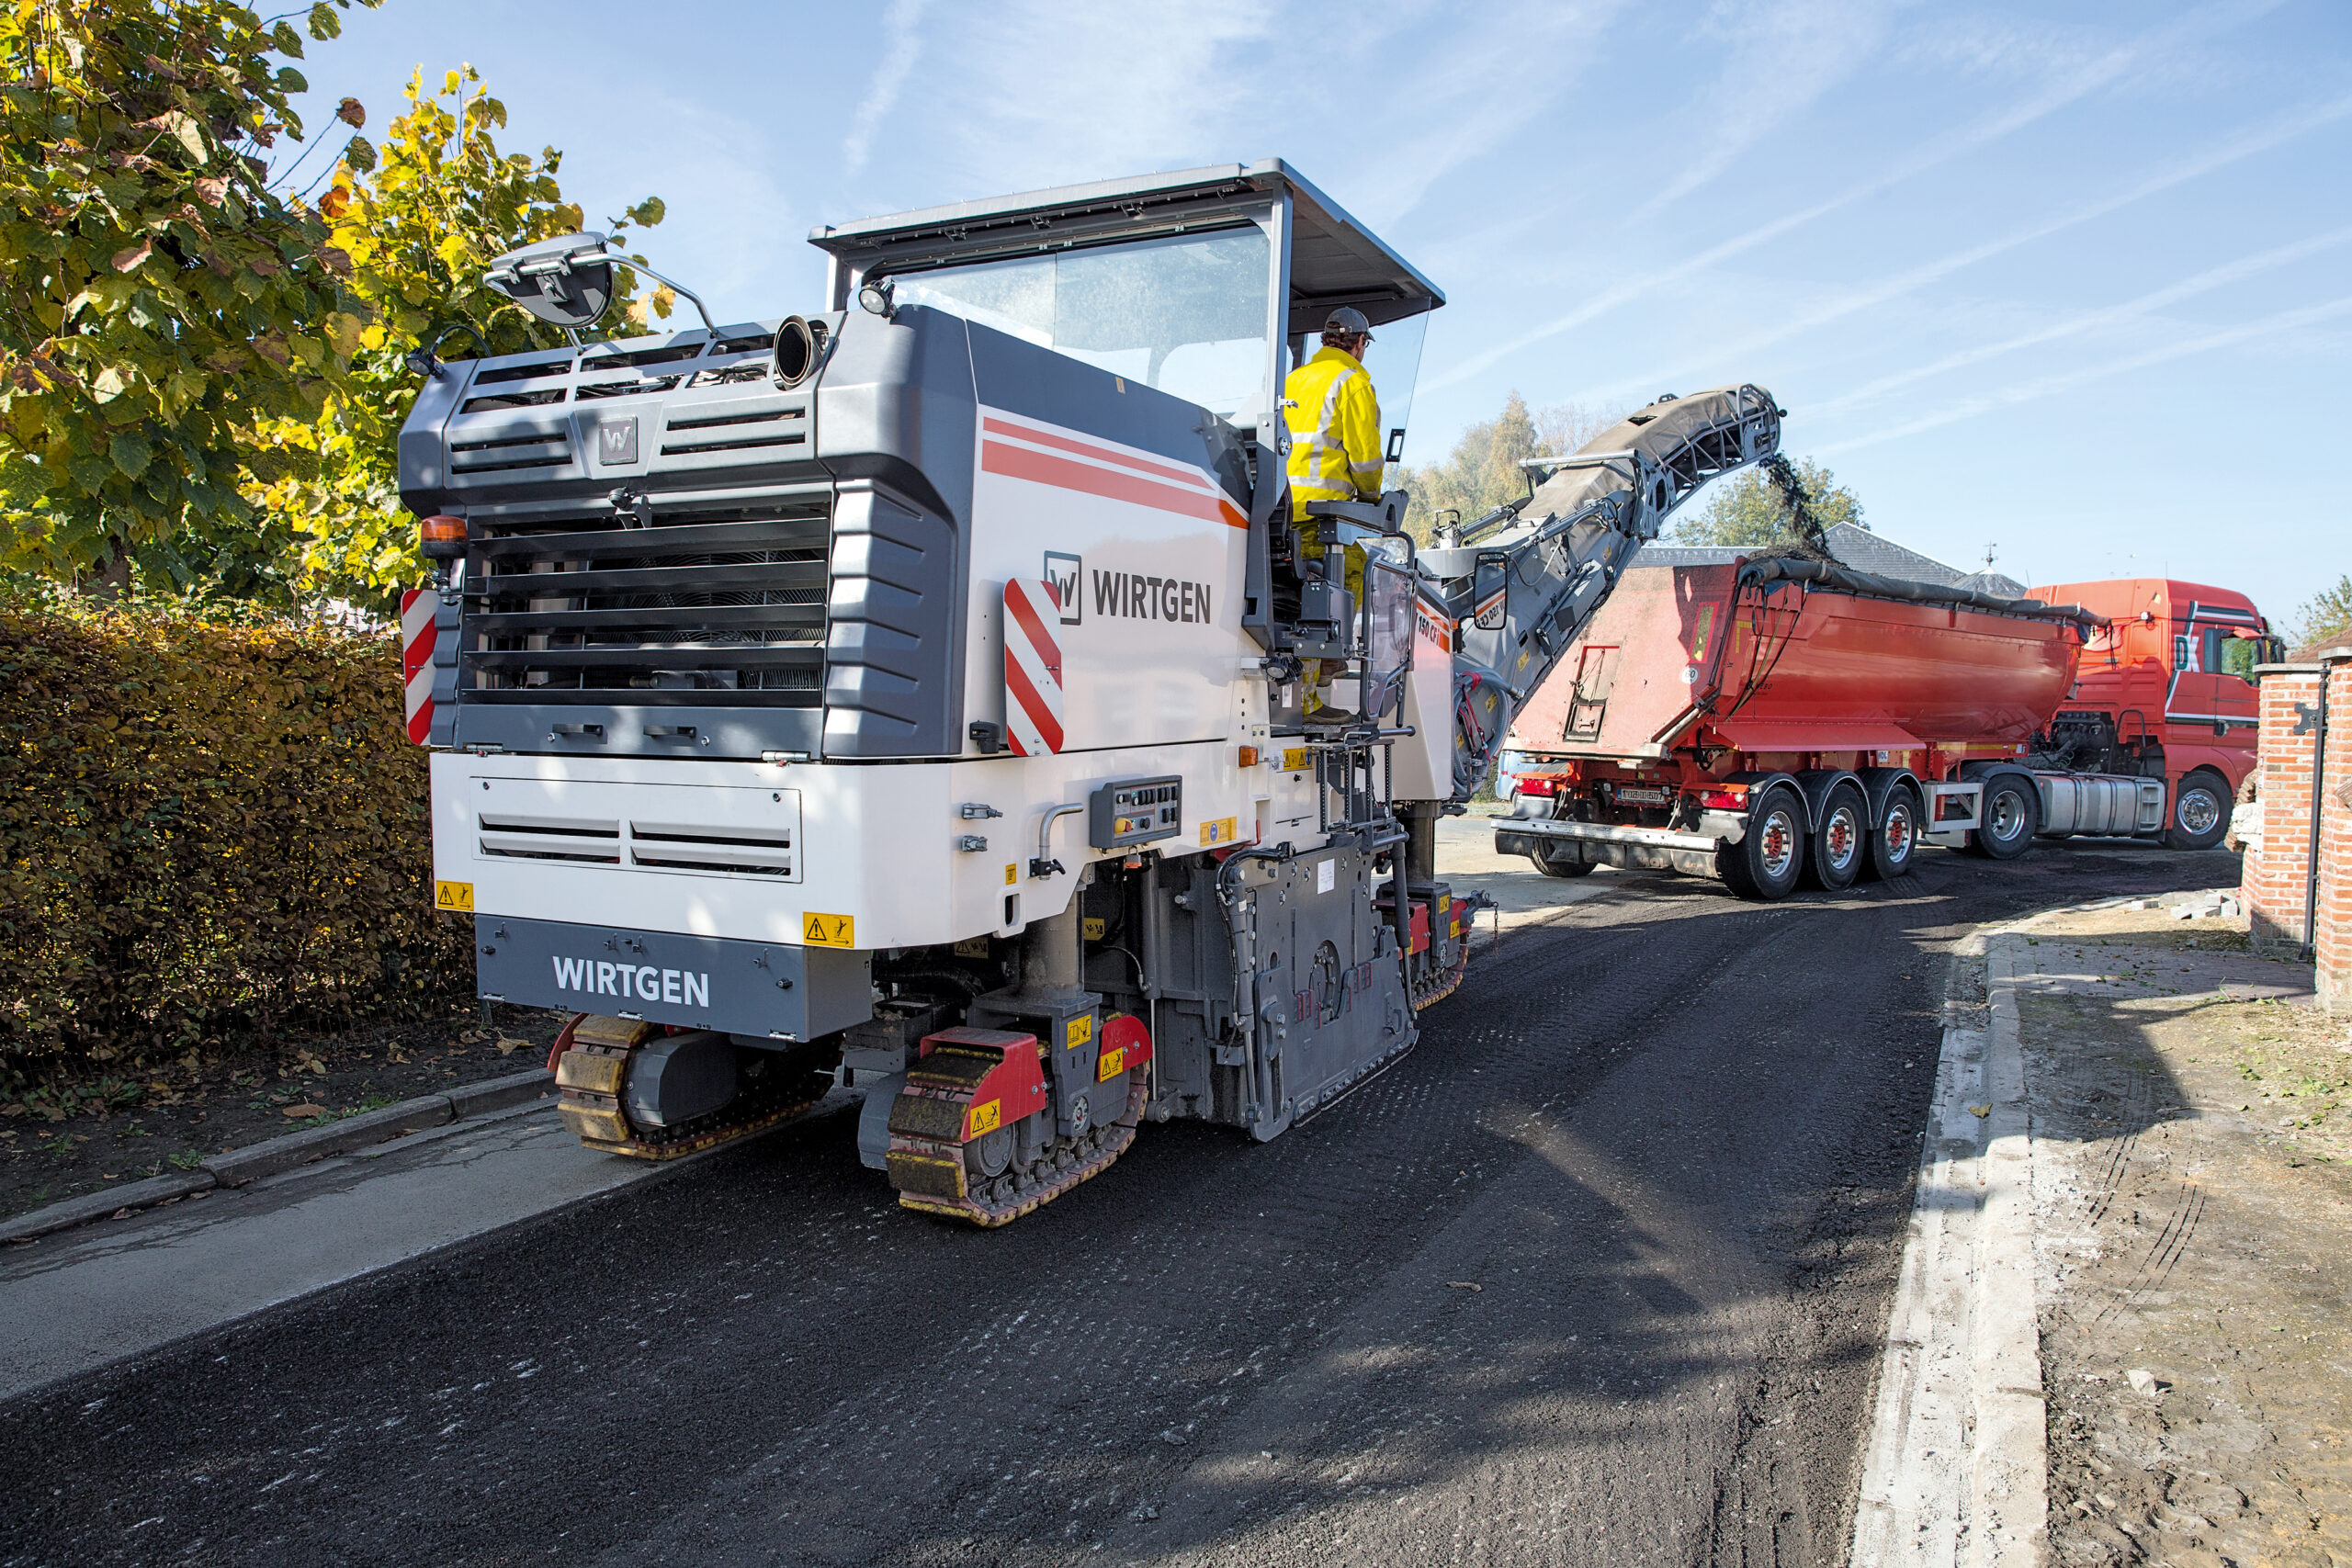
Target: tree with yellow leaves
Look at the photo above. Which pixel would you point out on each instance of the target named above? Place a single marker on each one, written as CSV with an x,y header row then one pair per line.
x,y
422,218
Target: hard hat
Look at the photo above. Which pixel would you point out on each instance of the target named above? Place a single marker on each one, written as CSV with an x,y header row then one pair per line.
x,y
1348,319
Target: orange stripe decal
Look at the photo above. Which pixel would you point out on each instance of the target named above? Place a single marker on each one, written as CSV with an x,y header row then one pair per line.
x,y
1040,468
1090,450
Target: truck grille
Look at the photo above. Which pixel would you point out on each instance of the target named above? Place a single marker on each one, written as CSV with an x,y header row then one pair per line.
x,y
708,605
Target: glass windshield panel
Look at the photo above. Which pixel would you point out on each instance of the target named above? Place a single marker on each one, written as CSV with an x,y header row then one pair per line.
x,y
1393,361
1187,314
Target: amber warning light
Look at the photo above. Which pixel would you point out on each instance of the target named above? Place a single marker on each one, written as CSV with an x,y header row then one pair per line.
x,y
443,537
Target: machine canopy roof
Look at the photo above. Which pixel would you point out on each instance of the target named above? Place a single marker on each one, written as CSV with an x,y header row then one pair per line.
x,y
1334,259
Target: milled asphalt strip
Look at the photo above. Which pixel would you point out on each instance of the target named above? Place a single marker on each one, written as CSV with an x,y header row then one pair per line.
x,y
1956,1470
82,1299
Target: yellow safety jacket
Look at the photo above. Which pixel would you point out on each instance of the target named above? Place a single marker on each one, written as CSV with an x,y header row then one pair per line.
x,y
1334,432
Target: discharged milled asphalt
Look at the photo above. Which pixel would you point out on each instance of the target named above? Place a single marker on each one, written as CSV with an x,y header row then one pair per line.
x,y
1598,1274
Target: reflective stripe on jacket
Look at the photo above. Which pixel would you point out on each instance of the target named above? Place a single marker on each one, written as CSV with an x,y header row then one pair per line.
x,y
1334,432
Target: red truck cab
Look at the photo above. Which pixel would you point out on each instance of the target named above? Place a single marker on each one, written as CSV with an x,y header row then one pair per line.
x,y
2167,685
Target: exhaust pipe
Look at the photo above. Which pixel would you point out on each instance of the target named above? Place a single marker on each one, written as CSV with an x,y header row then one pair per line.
x,y
799,345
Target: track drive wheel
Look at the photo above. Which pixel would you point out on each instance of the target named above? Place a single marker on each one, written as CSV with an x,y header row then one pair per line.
x,y
594,1099
1765,864
955,1134
1894,842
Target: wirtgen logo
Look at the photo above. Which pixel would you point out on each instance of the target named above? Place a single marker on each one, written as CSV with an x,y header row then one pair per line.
x,y
681,987
1063,572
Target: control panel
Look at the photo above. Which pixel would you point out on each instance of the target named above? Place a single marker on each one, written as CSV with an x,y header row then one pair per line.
x,y
1135,811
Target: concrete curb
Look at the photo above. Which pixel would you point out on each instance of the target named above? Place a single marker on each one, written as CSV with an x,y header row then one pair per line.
x,y
271,1156
1955,1470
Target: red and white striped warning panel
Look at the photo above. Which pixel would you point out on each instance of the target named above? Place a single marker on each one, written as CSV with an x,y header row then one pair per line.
x,y
417,605
1033,667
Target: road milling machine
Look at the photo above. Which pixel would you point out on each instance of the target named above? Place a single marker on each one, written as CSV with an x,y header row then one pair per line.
x,y
911,695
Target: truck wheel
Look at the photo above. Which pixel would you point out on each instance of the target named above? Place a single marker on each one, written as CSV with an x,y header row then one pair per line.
x,y
1766,862
1837,846
2200,812
1559,860
2011,815
1894,842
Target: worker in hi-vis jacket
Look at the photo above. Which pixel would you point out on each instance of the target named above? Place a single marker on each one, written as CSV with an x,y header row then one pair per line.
x,y
1335,454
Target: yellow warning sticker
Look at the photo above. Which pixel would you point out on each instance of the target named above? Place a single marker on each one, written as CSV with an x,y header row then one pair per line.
x,y
1111,1065
1007,876
1081,1030
829,930
984,1118
972,947
1295,758
1094,927
1224,830
455,897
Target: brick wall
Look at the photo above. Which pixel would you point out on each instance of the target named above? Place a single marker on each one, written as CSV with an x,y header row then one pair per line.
x,y
2334,921
2275,872
2278,874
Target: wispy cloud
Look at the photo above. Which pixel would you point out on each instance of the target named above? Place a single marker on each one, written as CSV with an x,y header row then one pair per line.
x,y
2092,321
2106,69
2052,386
1783,59
1459,115
902,35
1722,359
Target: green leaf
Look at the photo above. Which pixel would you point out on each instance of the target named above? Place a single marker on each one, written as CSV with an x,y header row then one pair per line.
x,y
324,23
292,81
360,154
648,213
287,40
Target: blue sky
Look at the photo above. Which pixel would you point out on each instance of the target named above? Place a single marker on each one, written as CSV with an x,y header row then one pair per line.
x,y
2071,280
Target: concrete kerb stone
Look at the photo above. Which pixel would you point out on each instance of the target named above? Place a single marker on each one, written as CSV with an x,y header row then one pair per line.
x,y
272,1156
1955,1466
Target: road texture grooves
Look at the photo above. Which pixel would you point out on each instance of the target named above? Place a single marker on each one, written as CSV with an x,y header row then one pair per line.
x,y
1598,1274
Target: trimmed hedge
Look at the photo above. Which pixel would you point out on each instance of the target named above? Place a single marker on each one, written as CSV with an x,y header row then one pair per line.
x,y
207,828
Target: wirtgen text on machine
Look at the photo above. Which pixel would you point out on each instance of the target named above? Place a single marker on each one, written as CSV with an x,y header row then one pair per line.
x,y
1139,597
683,988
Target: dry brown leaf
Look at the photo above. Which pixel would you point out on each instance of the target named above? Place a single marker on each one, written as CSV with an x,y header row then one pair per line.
x,y
305,1110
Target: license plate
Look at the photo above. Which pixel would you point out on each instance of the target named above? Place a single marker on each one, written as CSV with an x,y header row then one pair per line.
x,y
1634,794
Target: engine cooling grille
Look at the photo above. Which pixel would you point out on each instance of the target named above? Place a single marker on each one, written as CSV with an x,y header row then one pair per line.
x,y
713,606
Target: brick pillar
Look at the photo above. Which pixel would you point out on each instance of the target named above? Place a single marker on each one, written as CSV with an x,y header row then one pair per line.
x,y
2334,941
2274,877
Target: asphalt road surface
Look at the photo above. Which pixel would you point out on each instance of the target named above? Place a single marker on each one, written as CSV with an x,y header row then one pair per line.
x,y
1598,1274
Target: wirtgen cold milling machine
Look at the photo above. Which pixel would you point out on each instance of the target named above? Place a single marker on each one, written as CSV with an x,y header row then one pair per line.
x,y
909,695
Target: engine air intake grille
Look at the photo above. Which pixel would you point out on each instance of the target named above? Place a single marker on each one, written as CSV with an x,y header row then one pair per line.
x,y
588,840
711,606
754,852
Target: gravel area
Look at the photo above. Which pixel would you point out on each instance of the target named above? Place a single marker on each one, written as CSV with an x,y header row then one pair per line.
x,y
2190,1148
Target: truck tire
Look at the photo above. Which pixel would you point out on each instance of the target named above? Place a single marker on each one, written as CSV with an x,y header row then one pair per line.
x,y
1839,844
2200,812
2011,815
1559,860
1766,862
1894,842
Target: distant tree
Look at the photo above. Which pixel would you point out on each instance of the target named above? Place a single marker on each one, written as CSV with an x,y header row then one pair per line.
x,y
1483,471
1748,509
2326,613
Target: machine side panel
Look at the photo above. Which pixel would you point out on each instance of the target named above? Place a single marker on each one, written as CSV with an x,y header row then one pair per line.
x,y
897,427
1124,513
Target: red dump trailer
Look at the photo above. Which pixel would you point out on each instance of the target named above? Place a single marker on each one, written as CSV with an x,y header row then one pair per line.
x,y
1779,720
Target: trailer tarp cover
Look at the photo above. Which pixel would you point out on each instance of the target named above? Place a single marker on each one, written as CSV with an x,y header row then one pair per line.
x,y
1829,574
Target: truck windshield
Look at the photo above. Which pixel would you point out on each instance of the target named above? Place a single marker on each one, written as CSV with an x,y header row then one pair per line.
x,y
1187,315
